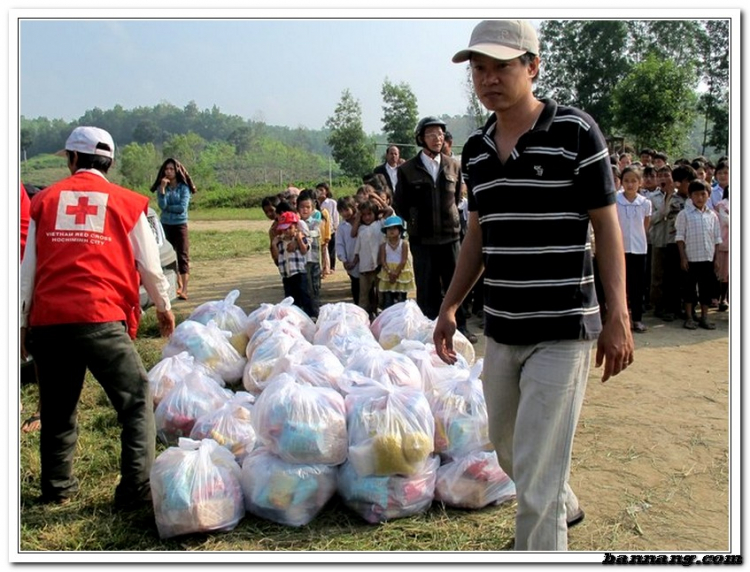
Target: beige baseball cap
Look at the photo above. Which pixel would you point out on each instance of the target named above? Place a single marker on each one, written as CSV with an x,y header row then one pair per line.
x,y
501,39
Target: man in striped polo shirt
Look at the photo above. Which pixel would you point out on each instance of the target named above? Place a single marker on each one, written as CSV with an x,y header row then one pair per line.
x,y
539,178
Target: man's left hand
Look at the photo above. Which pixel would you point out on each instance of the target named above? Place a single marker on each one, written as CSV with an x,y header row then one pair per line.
x,y
166,322
615,346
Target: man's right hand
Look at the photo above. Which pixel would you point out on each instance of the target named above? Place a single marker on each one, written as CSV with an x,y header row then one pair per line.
x,y
442,337
166,322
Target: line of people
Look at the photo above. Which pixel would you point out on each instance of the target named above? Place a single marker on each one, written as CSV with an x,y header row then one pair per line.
x,y
675,228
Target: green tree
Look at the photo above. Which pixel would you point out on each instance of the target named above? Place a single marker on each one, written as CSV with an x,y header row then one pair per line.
x,y
139,164
582,62
400,115
27,139
350,146
714,104
147,131
656,104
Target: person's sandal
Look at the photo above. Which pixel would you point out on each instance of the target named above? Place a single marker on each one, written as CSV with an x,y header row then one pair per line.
x,y
33,423
639,327
690,325
706,325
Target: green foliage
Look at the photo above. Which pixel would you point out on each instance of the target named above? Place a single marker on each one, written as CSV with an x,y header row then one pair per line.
x,y
400,115
583,61
350,146
655,103
139,164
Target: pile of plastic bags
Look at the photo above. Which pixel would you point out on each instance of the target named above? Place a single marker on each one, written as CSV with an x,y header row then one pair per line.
x,y
308,410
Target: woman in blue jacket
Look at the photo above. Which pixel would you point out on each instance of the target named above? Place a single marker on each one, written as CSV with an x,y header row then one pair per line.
x,y
173,187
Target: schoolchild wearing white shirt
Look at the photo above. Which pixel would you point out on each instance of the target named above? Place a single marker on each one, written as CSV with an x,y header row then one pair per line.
x,y
634,214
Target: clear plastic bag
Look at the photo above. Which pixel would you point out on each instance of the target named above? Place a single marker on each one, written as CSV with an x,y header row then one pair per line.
x,y
209,345
230,426
344,337
402,321
284,309
274,340
473,481
228,316
178,411
385,365
460,415
432,369
301,423
343,311
378,499
286,493
167,373
391,430
310,364
195,487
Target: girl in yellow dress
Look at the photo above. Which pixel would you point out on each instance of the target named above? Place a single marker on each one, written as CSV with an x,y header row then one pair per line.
x,y
396,278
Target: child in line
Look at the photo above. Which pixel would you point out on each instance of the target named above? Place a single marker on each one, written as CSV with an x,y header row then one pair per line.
x,y
722,256
366,250
328,204
698,236
292,243
269,204
634,215
316,225
396,277
345,242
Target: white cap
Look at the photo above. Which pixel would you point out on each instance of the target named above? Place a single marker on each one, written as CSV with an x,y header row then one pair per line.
x,y
92,141
501,39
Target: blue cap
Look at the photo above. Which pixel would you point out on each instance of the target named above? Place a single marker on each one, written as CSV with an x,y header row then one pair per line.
x,y
392,221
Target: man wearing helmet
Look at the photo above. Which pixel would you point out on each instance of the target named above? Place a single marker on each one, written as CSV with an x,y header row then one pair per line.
x,y
539,179
426,197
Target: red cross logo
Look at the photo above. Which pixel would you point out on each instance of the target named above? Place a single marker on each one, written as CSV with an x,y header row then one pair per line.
x,y
81,210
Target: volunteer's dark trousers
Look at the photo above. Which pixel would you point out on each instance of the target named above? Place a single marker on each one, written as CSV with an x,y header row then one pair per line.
x,y
63,353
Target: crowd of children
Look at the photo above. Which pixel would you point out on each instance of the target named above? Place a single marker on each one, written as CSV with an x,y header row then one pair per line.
x,y
310,231
675,228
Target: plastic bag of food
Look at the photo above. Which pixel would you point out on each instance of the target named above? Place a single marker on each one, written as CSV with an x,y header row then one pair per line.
x,y
460,415
382,365
402,321
209,345
377,499
344,337
311,365
227,316
284,309
286,493
431,368
178,411
230,426
195,487
473,481
273,341
343,311
301,423
391,430
167,373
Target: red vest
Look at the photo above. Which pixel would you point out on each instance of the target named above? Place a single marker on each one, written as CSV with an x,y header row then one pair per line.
x,y
25,202
86,270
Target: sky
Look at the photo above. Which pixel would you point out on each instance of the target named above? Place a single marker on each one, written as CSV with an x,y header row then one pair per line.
x,y
283,71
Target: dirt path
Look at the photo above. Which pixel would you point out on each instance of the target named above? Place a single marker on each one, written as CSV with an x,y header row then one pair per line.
x,y
651,457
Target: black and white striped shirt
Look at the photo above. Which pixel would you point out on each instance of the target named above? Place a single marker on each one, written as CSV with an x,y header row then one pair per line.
x,y
533,211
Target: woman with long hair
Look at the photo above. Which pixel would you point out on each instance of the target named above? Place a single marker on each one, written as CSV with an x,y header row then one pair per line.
x,y
173,187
